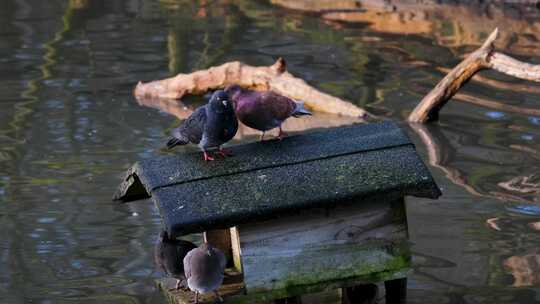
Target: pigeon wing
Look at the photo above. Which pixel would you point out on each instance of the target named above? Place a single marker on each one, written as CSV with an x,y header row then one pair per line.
x,y
187,263
193,127
280,106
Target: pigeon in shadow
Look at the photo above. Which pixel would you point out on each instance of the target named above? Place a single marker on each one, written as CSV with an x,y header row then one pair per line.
x,y
169,256
264,110
210,126
204,267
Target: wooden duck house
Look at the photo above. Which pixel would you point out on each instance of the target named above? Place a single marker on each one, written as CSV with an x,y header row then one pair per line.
x,y
313,212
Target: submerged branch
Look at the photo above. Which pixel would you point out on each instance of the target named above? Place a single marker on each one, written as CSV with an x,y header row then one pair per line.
x,y
483,58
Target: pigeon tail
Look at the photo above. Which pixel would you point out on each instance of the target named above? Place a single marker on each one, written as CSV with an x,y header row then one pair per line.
x,y
300,110
173,142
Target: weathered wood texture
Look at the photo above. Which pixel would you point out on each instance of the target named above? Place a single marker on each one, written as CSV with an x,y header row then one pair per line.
x,y
274,78
282,255
232,289
483,58
321,169
221,239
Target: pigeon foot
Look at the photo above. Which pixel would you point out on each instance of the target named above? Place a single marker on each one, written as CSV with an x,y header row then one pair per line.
x,y
176,287
281,134
219,298
224,152
207,156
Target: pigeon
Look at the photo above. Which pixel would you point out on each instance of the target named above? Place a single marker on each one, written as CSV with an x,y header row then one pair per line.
x,y
204,267
264,110
169,255
210,126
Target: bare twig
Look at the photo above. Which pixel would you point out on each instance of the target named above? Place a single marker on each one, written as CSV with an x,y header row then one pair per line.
x,y
484,102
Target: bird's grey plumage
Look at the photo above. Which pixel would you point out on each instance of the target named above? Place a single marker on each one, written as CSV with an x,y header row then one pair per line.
x,y
209,126
191,130
204,268
169,255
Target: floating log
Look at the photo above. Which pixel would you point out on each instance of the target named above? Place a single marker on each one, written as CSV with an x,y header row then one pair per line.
x,y
316,121
275,78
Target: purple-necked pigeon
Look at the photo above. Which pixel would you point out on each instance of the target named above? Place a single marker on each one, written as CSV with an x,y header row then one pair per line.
x,y
264,110
210,126
204,267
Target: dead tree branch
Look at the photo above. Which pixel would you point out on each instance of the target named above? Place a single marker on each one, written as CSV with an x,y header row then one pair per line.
x,y
483,58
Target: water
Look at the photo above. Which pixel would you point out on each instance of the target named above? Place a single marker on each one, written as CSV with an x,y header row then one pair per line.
x,y
69,127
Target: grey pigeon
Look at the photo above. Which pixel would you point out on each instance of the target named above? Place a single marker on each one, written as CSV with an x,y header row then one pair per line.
x,y
264,110
169,256
210,126
204,267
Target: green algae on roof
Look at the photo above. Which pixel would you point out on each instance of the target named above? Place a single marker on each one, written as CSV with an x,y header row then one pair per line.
x,y
320,169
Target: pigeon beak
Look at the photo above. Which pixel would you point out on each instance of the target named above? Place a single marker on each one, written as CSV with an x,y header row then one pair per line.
x,y
225,102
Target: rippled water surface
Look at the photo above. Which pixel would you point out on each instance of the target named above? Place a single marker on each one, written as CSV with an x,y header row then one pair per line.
x,y
69,127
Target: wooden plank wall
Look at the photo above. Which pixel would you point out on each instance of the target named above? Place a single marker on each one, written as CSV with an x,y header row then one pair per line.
x,y
323,245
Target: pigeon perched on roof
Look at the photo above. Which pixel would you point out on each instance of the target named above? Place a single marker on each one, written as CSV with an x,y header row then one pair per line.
x,y
169,256
210,126
204,267
264,110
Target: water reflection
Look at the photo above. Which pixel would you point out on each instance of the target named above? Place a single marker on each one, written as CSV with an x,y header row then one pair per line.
x,y
69,126
442,152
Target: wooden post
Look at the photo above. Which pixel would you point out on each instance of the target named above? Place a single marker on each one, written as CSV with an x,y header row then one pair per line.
x,y
360,294
290,300
396,291
236,250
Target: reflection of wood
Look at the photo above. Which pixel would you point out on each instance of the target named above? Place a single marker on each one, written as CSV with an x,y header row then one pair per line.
x,y
316,121
501,85
522,184
492,104
436,159
525,269
451,25
428,109
530,151
436,145
274,77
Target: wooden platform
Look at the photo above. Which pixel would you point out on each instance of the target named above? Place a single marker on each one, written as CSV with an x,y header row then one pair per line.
x,y
233,290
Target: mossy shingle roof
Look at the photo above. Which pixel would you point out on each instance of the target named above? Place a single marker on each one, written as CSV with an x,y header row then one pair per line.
x,y
265,179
